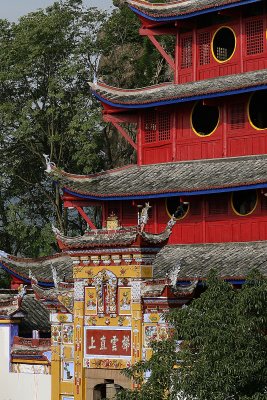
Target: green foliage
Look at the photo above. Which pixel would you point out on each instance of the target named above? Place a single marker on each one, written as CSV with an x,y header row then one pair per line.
x,y
46,61
224,350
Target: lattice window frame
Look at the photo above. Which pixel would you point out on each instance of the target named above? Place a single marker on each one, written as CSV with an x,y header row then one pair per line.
x,y
204,50
186,51
150,127
237,116
156,127
218,204
255,37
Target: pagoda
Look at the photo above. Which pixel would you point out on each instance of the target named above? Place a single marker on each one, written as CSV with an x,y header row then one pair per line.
x,y
195,200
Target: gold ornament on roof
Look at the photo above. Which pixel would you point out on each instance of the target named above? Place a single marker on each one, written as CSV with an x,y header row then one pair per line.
x,y
112,222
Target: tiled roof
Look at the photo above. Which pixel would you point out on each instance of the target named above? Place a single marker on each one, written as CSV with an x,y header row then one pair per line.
x,y
170,93
35,316
100,238
169,178
194,261
180,9
104,238
40,267
55,297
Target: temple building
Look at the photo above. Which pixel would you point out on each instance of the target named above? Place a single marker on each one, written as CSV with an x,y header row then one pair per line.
x,y
195,200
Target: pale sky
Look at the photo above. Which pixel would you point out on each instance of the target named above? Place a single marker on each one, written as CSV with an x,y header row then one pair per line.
x,y
13,9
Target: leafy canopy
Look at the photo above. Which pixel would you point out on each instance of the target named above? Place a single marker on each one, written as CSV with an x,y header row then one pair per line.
x,y
224,350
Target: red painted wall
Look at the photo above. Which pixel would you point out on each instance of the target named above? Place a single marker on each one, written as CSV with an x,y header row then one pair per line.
x,y
195,56
234,135
210,219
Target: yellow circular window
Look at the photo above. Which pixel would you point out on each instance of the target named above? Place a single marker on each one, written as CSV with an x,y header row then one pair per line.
x,y
175,207
257,114
204,119
244,202
223,44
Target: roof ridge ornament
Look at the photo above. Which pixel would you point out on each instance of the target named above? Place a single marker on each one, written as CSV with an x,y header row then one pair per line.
x,y
55,276
49,164
32,278
173,274
55,230
143,216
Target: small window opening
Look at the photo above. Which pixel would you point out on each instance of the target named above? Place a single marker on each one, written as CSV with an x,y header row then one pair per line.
x,y
150,127
176,207
204,48
187,55
254,37
217,204
244,202
237,116
204,119
164,122
257,110
223,44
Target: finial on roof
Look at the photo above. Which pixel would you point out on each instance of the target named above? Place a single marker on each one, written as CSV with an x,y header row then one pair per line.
x,y
143,217
173,274
32,278
49,164
21,291
55,230
55,276
3,254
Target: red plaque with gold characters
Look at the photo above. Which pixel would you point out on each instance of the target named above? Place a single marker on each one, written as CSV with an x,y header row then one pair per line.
x,y
107,342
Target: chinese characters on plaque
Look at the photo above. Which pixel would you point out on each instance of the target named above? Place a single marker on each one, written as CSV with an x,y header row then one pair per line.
x,y
108,342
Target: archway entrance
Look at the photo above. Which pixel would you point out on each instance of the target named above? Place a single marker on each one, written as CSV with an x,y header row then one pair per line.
x,y
106,390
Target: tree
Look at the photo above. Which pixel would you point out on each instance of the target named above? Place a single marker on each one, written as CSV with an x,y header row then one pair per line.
x,y
224,350
46,61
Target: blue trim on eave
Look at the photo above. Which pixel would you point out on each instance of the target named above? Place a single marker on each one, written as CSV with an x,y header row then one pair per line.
x,y
181,100
28,281
193,14
168,194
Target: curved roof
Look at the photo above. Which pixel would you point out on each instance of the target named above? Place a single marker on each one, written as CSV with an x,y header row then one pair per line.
x,y
35,316
233,261
170,93
105,238
40,267
181,9
168,179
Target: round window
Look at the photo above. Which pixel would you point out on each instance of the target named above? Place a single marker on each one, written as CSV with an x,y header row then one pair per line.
x,y
244,202
257,110
204,119
176,208
223,44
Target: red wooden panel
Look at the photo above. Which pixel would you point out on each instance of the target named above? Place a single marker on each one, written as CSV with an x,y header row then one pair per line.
x,y
158,154
212,149
254,144
186,58
217,232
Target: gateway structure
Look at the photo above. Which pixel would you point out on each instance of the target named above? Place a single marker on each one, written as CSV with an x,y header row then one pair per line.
x,y
195,200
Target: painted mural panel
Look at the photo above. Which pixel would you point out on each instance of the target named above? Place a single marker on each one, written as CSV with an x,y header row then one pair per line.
x,y
56,334
67,334
68,370
124,301
107,342
90,301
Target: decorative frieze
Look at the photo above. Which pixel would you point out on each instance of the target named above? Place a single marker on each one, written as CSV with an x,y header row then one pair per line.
x,y
79,290
136,290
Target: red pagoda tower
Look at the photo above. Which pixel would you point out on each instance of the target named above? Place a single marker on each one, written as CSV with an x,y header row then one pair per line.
x,y
196,199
